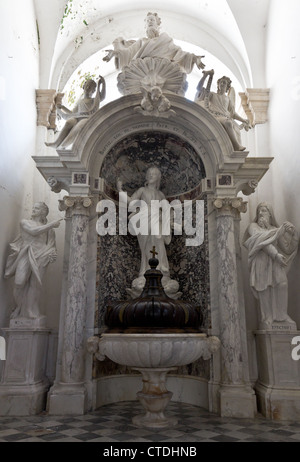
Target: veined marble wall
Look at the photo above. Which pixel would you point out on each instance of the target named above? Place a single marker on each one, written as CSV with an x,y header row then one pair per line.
x,y
180,165
119,256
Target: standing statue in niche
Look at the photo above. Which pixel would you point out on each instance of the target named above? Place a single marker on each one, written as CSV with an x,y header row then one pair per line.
x,y
272,249
86,106
32,251
147,240
222,106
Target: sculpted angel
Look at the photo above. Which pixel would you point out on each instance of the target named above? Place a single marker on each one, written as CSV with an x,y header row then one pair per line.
x,y
78,116
222,106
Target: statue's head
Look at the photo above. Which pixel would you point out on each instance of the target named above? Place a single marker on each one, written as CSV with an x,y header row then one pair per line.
x,y
153,22
224,81
89,86
264,212
41,210
153,174
155,93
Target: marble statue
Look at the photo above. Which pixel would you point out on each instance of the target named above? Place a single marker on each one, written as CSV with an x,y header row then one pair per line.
x,y
150,192
222,106
153,65
154,45
31,252
272,249
78,116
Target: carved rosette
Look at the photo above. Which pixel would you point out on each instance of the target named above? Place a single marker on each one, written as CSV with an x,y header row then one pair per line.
x,y
78,205
229,206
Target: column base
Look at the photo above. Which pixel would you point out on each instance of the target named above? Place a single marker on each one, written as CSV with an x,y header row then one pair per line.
x,y
278,385
67,399
237,401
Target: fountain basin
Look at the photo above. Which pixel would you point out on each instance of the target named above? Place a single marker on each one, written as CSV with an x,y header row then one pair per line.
x,y
153,350
153,355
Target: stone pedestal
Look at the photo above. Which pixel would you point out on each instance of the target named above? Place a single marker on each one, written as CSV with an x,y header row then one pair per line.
x,y
24,386
154,398
278,385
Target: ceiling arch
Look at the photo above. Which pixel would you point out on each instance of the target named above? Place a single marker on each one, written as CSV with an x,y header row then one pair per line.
x,y
94,25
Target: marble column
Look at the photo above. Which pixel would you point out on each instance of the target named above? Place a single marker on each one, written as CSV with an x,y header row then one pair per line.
x,y
68,395
237,398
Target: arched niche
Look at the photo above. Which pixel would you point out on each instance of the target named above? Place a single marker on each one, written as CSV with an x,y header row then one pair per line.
x,y
183,174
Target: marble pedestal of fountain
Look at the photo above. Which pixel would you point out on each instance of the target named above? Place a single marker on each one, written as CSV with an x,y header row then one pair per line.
x,y
154,356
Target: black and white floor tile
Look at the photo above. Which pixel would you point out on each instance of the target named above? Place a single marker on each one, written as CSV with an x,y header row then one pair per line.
x,y
112,424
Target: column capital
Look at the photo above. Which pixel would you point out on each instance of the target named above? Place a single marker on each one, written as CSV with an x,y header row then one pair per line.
x,y
255,102
229,205
45,102
77,205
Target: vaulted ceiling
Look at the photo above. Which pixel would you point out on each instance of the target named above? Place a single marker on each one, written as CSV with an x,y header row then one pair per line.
x,y
233,31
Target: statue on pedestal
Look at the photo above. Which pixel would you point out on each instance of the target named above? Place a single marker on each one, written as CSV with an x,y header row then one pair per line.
x,y
147,240
32,251
222,106
76,118
272,249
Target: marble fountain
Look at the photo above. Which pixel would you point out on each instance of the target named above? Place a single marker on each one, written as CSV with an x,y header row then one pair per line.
x,y
153,334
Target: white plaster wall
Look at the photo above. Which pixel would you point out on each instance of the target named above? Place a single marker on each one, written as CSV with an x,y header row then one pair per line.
x,y
283,79
20,182
279,138
18,80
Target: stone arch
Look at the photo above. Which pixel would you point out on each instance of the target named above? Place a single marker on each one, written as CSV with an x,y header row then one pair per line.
x,y
192,123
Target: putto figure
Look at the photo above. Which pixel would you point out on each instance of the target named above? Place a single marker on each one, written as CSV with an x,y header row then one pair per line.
x,y
76,118
272,249
154,45
32,251
222,106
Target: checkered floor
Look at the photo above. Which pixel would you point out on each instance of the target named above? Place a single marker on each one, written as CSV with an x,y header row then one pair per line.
x,y
112,424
